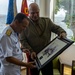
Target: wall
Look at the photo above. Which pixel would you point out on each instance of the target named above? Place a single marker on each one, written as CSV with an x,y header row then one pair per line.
x,y
68,55
44,7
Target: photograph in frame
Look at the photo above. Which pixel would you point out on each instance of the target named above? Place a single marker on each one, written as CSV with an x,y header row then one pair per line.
x,y
52,50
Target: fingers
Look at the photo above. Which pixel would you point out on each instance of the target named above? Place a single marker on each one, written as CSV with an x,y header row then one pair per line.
x,y
32,65
33,55
63,35
32,62
26,51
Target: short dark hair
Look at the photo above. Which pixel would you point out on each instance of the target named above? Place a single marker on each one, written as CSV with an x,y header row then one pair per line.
x,y
20,17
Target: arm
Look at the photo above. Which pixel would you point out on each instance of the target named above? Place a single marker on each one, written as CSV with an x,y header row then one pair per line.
x,y
26,46
20,63
24,42
56,29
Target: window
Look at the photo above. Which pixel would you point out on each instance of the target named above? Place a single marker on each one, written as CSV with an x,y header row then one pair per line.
x,y
64,16
4,10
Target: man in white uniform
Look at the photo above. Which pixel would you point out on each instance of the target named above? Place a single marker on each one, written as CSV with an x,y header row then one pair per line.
x,y
10,53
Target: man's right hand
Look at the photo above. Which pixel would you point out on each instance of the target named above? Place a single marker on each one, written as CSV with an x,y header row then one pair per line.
x,y
30,65
26,51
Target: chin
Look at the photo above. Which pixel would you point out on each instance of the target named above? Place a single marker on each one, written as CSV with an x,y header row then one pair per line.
x,y
19,31
35,20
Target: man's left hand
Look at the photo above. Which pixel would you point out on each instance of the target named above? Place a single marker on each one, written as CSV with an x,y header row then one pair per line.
x,y
63,35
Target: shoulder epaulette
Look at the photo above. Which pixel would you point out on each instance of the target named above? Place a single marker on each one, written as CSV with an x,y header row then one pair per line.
x,y
8,32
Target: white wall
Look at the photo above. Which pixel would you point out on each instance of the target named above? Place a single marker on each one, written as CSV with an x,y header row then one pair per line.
x,y
68,55
44,7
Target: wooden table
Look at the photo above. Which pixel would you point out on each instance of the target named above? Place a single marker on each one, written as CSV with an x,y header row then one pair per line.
x,y
66,57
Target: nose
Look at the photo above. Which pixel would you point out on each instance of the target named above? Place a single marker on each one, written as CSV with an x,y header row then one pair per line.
x,y
35,14
23,27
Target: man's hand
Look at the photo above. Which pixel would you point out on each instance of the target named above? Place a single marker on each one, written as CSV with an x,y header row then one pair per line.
x,y
33,55
20,63
26,51
30,65
63,35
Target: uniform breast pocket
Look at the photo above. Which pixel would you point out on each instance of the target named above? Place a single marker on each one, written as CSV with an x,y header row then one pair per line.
x,y
16,47
17,53
16,50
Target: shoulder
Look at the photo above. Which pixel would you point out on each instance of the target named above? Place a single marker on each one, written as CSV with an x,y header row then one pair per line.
x,y
46,18
8,32
1,36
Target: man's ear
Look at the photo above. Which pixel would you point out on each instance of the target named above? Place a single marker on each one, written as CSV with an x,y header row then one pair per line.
x,y
16,21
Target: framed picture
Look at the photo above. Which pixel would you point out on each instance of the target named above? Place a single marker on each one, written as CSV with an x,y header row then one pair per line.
x,y
52,50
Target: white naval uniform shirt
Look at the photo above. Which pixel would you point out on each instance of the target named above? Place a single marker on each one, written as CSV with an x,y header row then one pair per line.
x,y
1,57
11,47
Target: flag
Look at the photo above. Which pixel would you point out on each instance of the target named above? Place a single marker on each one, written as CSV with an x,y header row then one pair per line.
x,y
24,7
12,11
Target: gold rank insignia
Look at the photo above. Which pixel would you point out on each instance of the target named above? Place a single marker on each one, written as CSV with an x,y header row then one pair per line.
x,y
8,32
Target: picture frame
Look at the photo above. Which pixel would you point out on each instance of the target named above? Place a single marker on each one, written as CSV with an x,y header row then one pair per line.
x,y
52,50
